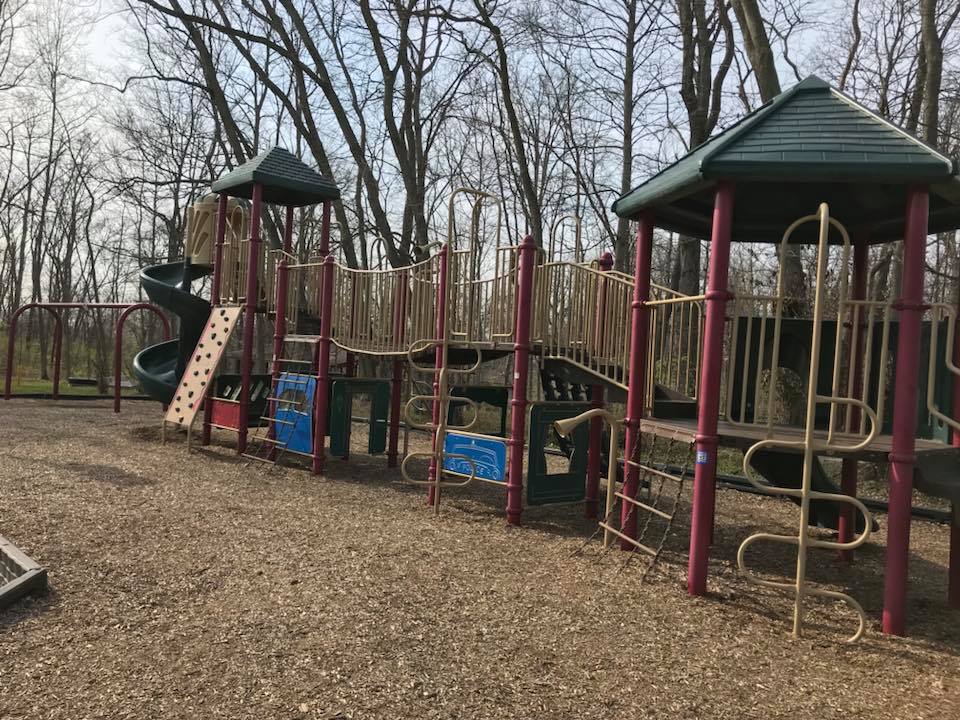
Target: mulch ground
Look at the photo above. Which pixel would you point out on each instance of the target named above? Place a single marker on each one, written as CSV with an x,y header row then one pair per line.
x,y
195,586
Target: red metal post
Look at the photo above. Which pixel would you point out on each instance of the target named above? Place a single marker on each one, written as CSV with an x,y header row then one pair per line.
x,y
521,367
910,306
705,474
249,315
855,335
53,309
215,284
325,229
639,328
595,447
321,397
118,343
441,325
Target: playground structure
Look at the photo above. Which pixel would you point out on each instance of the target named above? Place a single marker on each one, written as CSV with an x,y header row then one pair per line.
x,y
695,373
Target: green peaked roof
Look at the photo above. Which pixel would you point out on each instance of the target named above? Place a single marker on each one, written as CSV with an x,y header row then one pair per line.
x,y
286,180
808,145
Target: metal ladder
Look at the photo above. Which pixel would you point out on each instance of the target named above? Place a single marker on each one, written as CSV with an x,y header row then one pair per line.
x,y
438,426
810,447
264,446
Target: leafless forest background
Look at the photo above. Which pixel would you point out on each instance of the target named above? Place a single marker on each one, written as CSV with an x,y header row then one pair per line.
x,y
117,114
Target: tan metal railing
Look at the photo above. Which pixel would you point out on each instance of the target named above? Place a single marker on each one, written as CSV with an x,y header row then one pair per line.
x,y
582,315
757,321
483,309
938,313
676,342
810,446
555,249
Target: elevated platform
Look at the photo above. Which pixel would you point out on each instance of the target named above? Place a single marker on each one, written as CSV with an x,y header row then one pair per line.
x,y
741,437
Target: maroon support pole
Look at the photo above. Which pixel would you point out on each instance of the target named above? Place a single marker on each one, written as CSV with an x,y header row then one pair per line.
x,y
215,300
249,315
521,367
438,364
322,395
705,474
848,467
639,328
53,309
118,343
595,447
910,307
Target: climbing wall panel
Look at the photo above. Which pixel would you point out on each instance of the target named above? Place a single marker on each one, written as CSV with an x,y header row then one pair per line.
x,y
198,375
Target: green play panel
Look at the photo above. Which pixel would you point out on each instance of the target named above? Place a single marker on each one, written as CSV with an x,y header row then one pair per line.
x,y
342,393
543,487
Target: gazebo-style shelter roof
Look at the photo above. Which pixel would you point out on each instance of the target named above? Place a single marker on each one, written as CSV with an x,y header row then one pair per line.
x,y
808,145
286,180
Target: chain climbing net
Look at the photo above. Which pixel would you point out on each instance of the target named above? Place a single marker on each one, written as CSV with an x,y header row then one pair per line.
x,y
653,477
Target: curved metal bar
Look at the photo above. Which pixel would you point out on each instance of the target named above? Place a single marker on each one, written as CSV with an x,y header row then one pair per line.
x,y
577,247
53,309
442,483
118,343
780,585
809,445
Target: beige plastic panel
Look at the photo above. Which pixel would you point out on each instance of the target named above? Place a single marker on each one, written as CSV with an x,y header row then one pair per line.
x,y
203,363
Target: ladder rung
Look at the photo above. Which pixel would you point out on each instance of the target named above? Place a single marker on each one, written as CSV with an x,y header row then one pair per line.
x,y
311,339
224,427
279,422
648,508
258,458
283,400
298,362
653,471
638,545
272,441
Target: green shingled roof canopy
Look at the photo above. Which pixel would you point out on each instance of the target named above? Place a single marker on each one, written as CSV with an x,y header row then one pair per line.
x,y
808,145
286,180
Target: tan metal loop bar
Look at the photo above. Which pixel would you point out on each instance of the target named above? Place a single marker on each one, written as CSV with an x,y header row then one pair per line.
x,y
810,446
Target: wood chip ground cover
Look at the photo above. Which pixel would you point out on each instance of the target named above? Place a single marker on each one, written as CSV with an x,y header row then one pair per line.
x,y
194,586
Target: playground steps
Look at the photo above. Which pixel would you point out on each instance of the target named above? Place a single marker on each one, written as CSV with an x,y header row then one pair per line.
x,y
575,375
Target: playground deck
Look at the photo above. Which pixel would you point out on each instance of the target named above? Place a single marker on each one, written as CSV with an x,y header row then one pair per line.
x,y
188,586
742,436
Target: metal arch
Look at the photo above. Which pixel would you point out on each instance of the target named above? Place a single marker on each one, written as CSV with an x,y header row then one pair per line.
x,y
118,342
53,309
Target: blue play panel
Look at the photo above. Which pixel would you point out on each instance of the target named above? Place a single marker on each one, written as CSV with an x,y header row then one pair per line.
x,y
295,406
489,456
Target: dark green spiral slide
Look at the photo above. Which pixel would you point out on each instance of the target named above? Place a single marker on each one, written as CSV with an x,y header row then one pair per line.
x,y
158,368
